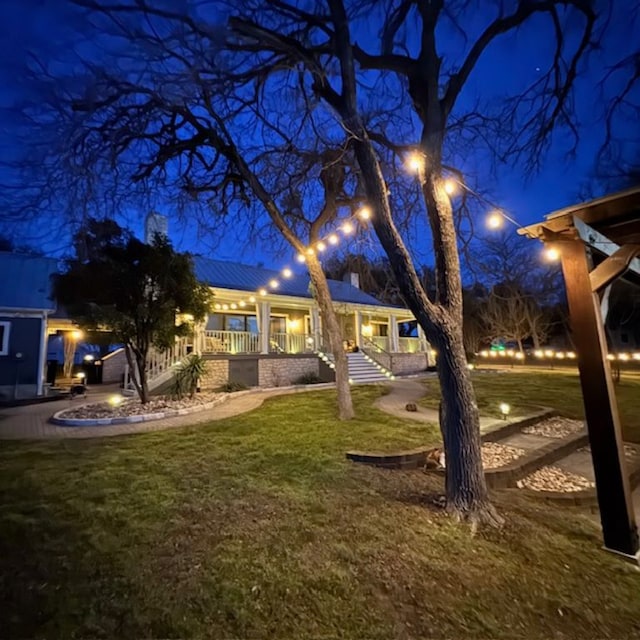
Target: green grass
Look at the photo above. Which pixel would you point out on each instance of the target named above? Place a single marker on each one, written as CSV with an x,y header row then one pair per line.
x,y
257,527
526,390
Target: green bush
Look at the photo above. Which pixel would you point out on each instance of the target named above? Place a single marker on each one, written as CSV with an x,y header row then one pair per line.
x,y
188,373
230,387
308,378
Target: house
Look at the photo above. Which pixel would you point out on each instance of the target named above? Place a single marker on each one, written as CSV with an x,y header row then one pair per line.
x,y
25,304
265,328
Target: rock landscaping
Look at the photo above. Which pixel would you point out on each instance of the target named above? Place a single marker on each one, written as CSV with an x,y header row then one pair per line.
x,y
555,479
556,427
132,407
496,455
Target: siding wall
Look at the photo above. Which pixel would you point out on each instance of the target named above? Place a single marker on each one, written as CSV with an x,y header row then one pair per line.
x,y
24,338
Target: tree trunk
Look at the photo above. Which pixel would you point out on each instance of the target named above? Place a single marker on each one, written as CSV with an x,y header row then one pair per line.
x,y
138,366
323,297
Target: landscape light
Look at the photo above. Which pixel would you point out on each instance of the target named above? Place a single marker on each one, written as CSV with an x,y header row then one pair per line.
x,y
471,366
538,353
114,401
571,355
548,353
519,355
610,356
505,409
495,220
484,354
623,356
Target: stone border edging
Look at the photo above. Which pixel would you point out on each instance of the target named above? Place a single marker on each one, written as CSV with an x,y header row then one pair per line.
x,y
144,417
510,428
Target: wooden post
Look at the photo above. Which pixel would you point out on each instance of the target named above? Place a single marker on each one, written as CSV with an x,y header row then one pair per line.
x,y
601,410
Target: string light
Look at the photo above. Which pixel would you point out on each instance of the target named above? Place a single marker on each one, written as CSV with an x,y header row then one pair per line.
x,y
415,162
321,246
495,220
310,251
274,284
333,239
552,254
364,213
347,227
262,292
450,186
300,258
286,272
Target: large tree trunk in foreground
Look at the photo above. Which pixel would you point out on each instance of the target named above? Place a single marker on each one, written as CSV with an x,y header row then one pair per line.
x,y
323,297
138,372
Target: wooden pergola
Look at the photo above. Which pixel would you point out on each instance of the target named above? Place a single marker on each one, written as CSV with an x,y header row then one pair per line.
x,y
598,242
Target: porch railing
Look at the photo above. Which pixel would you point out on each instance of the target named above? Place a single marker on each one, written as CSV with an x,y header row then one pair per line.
x,y
381,342
411,345
291,343
231,342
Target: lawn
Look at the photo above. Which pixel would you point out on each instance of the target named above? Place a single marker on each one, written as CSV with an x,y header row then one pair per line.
x,y
527,389
257,527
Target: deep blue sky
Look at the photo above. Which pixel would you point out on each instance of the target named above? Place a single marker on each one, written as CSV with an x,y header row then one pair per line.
x,y
514,61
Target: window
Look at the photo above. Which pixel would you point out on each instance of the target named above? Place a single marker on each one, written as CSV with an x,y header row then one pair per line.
x,y
4,338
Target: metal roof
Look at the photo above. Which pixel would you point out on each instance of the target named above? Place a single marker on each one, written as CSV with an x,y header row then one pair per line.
x,y
242,277
25,281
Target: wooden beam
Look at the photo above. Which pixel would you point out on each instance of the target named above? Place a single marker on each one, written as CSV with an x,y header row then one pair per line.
x,y
615,265
601,411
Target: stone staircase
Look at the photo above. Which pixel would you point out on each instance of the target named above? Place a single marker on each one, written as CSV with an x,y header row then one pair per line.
x,y
363,369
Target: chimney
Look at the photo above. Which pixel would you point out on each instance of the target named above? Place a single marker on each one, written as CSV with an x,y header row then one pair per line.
x,y
352,278
155,224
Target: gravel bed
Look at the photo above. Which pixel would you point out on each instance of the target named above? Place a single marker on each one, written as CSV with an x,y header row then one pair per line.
x,y
496,455
133,407
554,427
555,479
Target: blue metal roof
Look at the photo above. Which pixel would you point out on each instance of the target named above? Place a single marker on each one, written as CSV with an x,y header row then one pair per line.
x,y
25,281
242,277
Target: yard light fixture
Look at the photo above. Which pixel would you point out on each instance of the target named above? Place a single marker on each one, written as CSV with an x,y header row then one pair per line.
x,y
286,272
505,409
571,355
610,356
114,401
636,356
623,356
471,366
495,220
450,186
551,254
484,353
333,239
350,380
274,284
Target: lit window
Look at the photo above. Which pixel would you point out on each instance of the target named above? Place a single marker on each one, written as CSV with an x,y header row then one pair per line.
x,y
4,338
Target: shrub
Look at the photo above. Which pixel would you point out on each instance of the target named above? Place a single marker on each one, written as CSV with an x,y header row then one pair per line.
x,y
188,373
308,378
230,387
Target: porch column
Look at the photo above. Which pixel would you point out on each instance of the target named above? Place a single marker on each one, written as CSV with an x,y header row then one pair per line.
x,y
601,409
316,330
394,343
42,356
265,326
357,318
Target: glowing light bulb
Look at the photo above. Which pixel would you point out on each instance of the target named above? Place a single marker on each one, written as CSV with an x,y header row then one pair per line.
x,y
552,254
415,162
364,213
347,228
310,251
495,220
262,292
300,258
242,303
450,186
286,272
234,305
321,246
274,284
225,306
333,238
252,299
217,305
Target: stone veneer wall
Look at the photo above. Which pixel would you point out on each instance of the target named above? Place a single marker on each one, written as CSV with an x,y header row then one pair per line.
x,y
216,375
113,366
409,363
283,371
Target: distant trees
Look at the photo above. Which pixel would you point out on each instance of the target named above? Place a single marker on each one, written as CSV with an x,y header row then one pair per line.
x,y
134,290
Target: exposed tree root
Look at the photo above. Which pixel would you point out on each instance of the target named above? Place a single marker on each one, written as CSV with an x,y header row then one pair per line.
x,y
483,514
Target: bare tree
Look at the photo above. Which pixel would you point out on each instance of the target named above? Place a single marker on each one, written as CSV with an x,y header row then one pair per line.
x,y
403,94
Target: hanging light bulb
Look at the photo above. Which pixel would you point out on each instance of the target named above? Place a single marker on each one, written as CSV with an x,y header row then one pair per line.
x,y
333,239
552,254
450,186
310,251
274,284
252,299
242,303
286,272
321,246
300,258
262,292
364,213
495,220
347,227
225,306
234,305
415,162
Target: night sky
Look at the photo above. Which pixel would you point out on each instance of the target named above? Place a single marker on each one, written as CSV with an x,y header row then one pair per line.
x,y
514,61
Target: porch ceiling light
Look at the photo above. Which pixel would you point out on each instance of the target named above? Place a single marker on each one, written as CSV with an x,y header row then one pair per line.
x,y
225,306
217,305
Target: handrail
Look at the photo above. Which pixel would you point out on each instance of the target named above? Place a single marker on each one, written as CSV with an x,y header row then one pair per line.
x,y
376,346
376,349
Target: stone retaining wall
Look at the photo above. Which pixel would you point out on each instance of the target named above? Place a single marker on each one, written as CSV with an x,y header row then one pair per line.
x,y
403,363
217,374
281,372
113,366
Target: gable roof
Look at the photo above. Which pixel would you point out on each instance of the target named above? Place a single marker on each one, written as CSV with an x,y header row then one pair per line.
x,y
25,281
242,277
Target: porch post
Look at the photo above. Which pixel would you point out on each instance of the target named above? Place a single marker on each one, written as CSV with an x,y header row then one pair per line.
x,y
394,343
601,410
265,326
316,332
357,317
42,355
